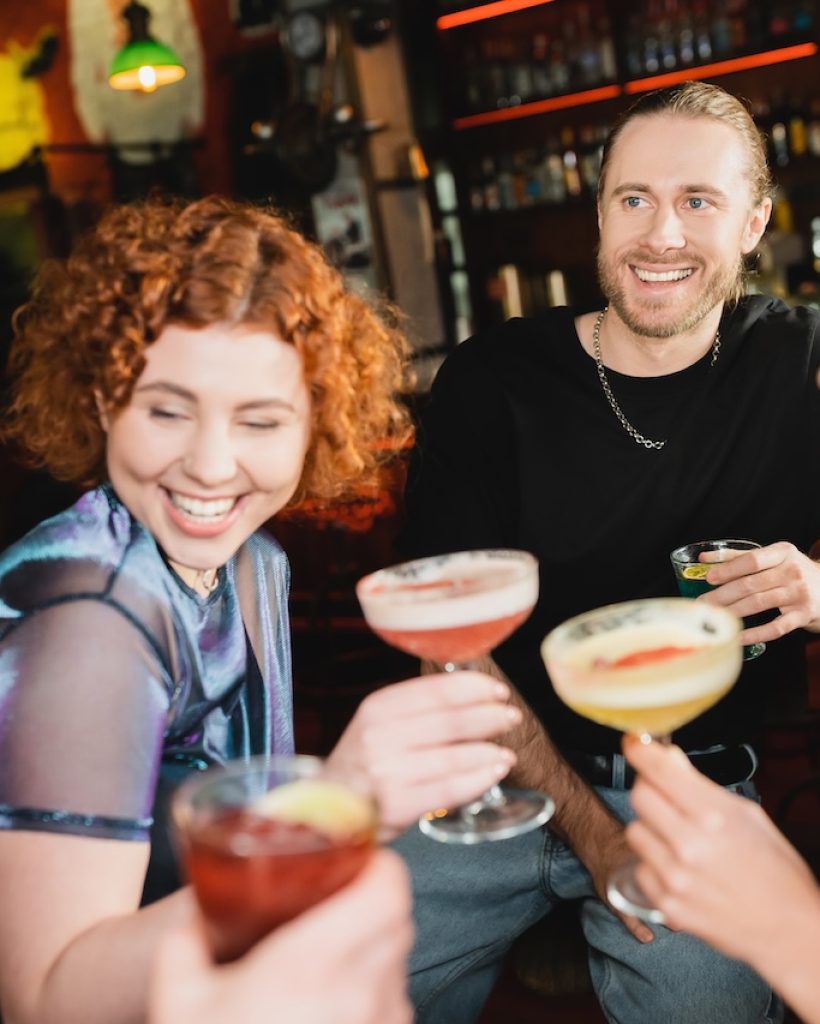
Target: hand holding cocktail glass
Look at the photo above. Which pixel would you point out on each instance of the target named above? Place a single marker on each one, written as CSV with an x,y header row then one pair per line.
x,y
645,667
692,562
453,609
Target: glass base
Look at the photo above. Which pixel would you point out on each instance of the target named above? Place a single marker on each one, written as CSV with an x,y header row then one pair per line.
x,y
624,893
753,651
508,813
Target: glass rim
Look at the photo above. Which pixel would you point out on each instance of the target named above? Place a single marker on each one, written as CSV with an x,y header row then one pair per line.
x,y
513,554
182,798
713,545
686,604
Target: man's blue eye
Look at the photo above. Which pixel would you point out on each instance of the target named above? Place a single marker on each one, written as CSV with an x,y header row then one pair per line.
x,y
697,203
633,201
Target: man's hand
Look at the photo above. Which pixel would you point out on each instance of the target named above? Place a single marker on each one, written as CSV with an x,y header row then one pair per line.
x,y
426,743
777,576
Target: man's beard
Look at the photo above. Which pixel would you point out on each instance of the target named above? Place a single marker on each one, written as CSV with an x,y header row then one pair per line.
x,y
647,318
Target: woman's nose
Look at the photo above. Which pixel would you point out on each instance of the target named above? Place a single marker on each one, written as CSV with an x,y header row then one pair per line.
x,y
210,458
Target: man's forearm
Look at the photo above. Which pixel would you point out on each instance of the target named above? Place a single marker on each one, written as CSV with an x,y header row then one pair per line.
x,y
581,819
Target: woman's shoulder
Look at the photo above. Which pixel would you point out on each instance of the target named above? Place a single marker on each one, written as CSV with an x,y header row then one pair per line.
x,y
78,553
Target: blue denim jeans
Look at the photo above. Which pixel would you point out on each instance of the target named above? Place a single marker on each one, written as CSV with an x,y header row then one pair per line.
x,y
471,902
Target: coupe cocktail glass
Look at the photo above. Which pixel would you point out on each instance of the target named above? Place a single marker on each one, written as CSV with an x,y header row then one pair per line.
x,y
453,609
263,840
645,667
691,562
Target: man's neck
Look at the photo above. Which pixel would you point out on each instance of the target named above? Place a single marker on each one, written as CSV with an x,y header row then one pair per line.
x,y
636,355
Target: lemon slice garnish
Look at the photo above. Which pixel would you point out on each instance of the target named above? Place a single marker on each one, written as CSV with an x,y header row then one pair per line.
x,y
328,807
695,572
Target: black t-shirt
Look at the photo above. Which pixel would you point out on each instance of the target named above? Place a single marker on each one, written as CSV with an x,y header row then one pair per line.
x,y
518,447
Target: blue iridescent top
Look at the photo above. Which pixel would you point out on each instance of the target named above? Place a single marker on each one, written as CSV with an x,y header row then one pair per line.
x,y
116,679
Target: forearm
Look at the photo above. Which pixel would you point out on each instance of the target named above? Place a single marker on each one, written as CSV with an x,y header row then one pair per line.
x,y
101,977
581,819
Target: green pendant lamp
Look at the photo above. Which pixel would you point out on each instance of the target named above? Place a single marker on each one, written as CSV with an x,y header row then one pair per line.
x,y
143,63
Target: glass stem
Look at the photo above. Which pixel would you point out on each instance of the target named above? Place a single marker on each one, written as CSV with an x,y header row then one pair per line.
x,y
494,796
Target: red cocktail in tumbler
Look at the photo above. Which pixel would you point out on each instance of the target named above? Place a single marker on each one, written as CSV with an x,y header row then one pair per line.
x,y
264,840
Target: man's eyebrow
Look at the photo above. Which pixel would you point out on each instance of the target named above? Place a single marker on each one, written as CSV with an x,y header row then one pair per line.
x,y
630,186
700,188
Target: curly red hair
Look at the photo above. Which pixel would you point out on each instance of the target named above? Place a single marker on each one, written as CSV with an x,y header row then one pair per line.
x,y
85,329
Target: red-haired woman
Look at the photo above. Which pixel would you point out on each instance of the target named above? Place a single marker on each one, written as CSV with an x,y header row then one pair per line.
x,y
203,367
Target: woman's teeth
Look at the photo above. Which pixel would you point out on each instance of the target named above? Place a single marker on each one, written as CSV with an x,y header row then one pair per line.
x,y
197,508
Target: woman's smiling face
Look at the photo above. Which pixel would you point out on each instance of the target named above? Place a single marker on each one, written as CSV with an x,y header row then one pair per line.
x,y
212,442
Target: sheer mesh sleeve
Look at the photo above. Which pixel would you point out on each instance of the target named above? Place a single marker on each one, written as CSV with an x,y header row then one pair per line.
x,y
84,698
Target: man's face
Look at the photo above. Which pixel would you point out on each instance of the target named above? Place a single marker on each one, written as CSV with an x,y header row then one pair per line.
x,y
675,218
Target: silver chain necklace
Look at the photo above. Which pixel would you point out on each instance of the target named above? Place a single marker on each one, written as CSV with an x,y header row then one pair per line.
x,y
637,437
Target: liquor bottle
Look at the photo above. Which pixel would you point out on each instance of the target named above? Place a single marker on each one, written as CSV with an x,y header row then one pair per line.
x,y
555,188
492,199
520,73
633,46
798,130
475,188
666,35
572,53
651,42
541,78
572,176
703,38
813,128
506,183
589,58
558,66
721,32
685,31
780,144
607,61
738,34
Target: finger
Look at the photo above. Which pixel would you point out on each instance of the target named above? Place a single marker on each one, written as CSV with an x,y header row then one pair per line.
x,y
437,764
781,626
667,769
657,895
747,563
414,800
434,692
642,932
658,811
437,727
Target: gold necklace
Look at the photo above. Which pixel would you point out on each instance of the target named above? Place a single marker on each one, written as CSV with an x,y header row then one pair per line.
x,y
208,579
637,437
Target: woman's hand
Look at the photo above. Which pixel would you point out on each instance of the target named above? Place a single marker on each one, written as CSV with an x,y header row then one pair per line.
x,y
712,861
342,961
426,743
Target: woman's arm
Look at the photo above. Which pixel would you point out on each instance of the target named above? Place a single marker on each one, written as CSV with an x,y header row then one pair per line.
x,y
73,947
716,865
